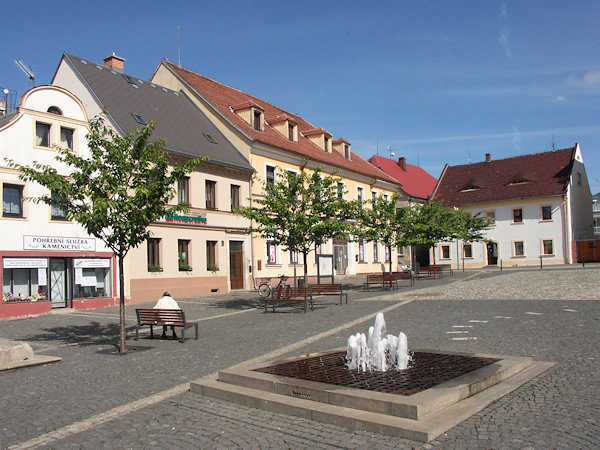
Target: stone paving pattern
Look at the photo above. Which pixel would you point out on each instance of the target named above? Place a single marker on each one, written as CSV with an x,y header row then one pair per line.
x,y
552,315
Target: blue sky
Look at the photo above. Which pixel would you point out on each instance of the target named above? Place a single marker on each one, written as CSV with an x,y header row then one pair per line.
x,y
436,82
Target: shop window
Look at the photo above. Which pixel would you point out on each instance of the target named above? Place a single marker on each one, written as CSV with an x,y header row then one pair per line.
x,y
445,252
154,255
57,212
518,248
211,187
546,212
183,190
183,254
42,134
24,284
211,255
92,278
66,137
12,200
235,196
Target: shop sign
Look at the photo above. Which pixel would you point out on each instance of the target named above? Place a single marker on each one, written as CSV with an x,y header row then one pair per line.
x,y
24,263
69,244
88,263
191,218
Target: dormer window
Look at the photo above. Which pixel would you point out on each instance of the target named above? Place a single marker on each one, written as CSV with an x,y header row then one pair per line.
x,y
346,151
469,187
252,113
257,120
342,146
291,133
326,143
286,125
320,138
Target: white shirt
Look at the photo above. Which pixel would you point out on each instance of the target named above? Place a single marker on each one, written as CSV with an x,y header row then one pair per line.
x,y
166,303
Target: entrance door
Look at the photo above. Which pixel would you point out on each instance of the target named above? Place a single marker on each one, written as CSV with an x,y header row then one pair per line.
x,y
236,265
492,253
58,283
340,258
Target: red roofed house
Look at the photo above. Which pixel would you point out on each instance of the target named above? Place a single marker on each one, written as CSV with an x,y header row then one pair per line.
x,y
276,140
540,204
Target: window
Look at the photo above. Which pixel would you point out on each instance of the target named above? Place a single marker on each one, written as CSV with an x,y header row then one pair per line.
x,y
401,250
211,254
491,216
66,137
139,119
361,252
270,178
467,251
12,200
235,196
209,138
517,215
272,253
183,254
375,251
291,134
154,255
360,196
326,143
373,195
387,254
386,197
579,178
340,189
346,151
92,278
546,212
445,252
19,284
256,120
57,212
210,194
547,247
183,190
42,134
295,257
518,248
55,110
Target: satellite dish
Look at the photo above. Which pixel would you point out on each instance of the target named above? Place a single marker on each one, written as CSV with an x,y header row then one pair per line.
x,y
26,70
392,154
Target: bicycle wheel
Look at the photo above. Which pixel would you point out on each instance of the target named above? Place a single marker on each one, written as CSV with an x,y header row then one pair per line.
x,y
264,290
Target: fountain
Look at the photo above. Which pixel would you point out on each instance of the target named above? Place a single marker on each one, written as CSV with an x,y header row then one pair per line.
x,y
375,384
379,352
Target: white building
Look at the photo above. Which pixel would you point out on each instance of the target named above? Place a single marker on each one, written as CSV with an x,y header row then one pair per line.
x,y
540,205
47,261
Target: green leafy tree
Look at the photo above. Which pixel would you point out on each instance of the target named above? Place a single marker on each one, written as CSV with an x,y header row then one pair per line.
x,y
300,211
380,221
123,186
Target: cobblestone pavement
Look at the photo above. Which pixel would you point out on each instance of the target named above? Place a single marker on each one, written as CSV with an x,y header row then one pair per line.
x,y
95,398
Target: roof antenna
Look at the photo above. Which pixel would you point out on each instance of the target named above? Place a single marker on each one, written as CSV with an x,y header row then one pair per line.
x,y
469,156
552,141
392,154
178,48
26,70
418,162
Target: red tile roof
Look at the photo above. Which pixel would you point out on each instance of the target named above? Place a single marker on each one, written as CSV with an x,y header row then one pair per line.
x,y
415,181
527,176
224,98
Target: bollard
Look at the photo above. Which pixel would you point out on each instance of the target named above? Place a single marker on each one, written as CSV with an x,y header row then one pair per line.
x,y
500,264
541,262
583,260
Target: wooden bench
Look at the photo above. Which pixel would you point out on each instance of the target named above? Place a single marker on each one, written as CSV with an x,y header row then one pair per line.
x,y
405,276
386,280
430,271
329,289
164,317
445,267
283,295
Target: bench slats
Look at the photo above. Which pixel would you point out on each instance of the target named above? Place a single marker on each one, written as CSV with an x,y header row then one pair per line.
x,y
165,317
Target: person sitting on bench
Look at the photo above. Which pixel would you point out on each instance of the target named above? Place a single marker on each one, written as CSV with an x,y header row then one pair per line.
x,y
167,302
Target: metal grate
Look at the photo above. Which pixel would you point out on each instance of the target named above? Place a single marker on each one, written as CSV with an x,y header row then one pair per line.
x,y
427,370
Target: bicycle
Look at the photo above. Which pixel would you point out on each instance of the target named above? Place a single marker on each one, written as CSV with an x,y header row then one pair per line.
x,y
265,289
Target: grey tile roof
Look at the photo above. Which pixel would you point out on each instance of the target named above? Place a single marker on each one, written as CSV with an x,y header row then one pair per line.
x,y
187,130
7,118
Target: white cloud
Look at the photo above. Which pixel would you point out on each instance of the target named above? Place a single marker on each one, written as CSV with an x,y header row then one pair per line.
x,y
505,31
560,99
588,79
516,138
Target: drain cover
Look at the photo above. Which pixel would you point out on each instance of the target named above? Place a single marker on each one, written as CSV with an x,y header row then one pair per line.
x,y
427,370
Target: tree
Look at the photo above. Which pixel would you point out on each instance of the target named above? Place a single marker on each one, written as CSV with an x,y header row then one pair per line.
x,y
115,193
300,211
381,222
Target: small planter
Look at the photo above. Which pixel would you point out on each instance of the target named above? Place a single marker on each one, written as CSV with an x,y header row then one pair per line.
x,y
154,268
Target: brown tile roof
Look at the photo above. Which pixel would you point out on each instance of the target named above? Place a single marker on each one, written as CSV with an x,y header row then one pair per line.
x,y
224,98
527,176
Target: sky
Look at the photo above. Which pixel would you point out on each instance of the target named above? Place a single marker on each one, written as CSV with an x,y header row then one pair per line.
x,y
439,82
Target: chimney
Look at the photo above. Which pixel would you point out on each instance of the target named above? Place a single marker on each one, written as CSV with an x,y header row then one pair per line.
x,y
488,157
402,163
114,62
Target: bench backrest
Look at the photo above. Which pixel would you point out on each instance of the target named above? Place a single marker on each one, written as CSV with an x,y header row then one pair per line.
x,y
403,275
316,288
291,292
381,277
159,316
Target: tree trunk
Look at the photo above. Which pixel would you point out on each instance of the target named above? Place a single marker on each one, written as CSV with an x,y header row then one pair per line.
x,y
122,348
304,255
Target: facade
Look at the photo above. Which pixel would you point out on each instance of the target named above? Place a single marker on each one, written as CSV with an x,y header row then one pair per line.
x,y
47,261
540,206
207,249
275,140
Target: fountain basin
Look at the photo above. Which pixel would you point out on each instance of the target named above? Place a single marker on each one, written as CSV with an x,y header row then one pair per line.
x,y
420,415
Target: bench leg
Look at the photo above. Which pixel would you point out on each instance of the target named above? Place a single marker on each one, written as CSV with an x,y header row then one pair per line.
x,y
151,332
196,327
182,335
137,330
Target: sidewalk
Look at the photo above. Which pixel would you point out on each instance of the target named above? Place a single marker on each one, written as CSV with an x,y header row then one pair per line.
x,y
96,398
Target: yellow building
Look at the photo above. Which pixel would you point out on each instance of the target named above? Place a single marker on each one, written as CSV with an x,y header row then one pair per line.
x,y
276,140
